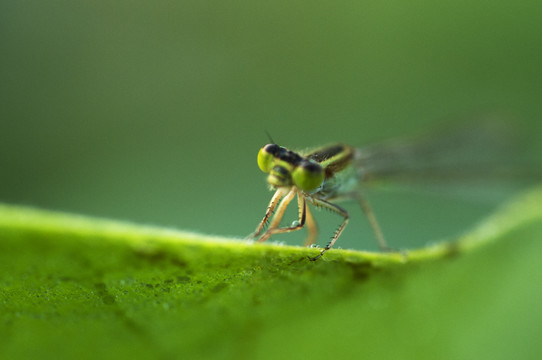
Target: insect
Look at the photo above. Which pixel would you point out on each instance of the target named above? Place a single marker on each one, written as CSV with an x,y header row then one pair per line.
x,y
333,173
319,178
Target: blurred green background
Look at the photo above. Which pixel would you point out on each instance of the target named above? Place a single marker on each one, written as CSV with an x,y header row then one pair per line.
x,y
154,112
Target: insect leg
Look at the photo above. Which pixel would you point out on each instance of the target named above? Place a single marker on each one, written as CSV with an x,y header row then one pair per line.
x,y
313,229
336,209
270,208
302,208
372,221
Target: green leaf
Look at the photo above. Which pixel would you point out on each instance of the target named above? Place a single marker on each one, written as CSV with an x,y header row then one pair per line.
x,y
77,287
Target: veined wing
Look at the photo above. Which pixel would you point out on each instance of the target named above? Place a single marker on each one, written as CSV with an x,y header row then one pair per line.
x,y
477,152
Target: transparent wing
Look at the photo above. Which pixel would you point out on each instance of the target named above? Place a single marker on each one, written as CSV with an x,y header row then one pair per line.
x,y
488,150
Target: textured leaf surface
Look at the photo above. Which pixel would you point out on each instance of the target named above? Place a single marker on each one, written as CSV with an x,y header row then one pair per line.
x,y
77,287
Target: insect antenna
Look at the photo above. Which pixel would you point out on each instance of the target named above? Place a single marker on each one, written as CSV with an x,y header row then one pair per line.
x,y
269,136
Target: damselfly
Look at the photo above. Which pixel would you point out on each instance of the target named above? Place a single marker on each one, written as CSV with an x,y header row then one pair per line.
x,y
335,172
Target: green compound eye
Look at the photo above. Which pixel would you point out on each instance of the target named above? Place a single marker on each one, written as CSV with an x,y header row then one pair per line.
x,y
266,157
308,176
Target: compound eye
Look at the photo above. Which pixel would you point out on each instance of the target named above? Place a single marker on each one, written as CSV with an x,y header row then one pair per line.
x,y
266,157
308,176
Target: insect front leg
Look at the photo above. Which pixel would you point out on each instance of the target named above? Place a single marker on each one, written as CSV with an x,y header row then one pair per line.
x,y
302,210
270,208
